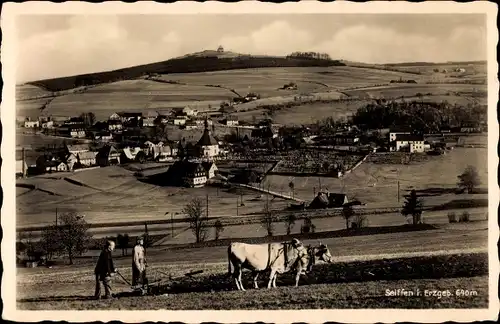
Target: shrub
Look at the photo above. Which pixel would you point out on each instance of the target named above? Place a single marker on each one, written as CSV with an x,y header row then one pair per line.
x,y
308,226
465,217
452,217
359,221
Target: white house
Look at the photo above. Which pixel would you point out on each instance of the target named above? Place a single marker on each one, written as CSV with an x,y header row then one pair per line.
x,y
413,143
56,166
115,125
77,132
31,123
180,120
210,168
393,132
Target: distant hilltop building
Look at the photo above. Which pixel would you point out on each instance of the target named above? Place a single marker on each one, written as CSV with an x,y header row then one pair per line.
x,y
220,49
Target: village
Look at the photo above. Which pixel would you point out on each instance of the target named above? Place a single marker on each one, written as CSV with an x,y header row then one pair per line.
x,y
134,137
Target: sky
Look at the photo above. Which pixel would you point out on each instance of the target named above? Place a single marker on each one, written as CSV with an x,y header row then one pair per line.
x,y
51,46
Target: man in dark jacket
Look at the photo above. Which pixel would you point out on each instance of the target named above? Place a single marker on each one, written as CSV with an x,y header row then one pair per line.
x,y
104,270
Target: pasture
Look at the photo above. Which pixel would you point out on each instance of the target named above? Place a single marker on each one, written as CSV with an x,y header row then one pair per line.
x,y
376,184
202,91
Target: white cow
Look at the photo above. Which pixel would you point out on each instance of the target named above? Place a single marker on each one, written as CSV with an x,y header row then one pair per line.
x,y
277,257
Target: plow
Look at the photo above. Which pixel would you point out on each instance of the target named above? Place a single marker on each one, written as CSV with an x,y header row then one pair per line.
x,y
153,287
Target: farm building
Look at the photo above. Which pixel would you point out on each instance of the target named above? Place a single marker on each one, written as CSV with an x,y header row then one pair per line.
x,y
31,123
162,153
87,158
210,169
77,148
409,142
207,145
264,133
328,200
108,155
220,49
393,132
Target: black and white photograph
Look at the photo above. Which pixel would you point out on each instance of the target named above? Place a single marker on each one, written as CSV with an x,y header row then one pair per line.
x,y
285,162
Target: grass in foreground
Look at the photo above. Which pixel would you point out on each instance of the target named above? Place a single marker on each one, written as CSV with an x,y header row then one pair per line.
x,y
343,295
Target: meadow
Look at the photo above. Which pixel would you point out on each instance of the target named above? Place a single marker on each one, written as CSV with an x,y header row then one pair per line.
x,y
376,184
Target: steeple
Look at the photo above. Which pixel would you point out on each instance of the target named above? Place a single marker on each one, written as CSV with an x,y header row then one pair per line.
x,y
206,123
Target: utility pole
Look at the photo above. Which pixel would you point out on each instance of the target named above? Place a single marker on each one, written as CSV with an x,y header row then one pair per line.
x,y
56,216
237,214
24,163
172,223
207,206
314,192
398,191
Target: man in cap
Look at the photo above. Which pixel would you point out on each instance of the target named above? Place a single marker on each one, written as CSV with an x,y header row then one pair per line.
x,y
139,263
104,270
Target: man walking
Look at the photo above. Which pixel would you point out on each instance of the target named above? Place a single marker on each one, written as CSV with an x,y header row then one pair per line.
x,y
139,263
104,270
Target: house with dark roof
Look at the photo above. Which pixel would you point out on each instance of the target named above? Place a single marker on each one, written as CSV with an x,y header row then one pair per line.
x,y
77,148
108,155
393,132
184,173
231,121
328,200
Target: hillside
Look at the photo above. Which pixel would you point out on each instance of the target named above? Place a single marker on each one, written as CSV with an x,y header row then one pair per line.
x,y
205,61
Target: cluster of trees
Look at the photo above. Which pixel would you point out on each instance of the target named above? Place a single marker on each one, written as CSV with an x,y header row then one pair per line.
x,y
310,55
69,236
423,116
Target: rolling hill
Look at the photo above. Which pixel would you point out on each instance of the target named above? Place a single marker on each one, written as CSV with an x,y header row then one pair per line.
x,y
204,61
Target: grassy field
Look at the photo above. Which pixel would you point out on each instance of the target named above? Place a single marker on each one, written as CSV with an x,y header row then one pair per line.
x,y
197,89
376,184
350,284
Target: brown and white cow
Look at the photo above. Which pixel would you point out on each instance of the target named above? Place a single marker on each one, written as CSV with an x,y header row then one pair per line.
x,y
276,257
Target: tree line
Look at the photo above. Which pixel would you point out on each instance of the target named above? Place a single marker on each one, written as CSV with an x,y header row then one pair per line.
x,y
310,55
417,115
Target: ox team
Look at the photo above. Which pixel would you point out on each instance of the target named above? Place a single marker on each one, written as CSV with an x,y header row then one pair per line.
x,y
277,258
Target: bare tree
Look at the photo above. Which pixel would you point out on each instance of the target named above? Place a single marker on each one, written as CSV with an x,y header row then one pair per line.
x,y
197,221
73,234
